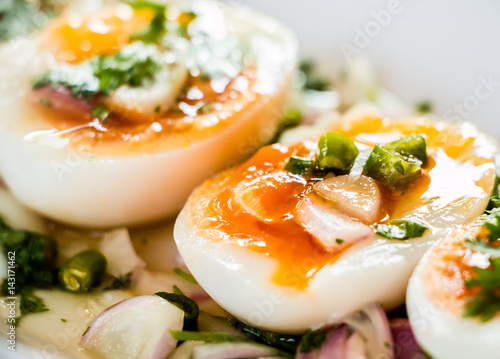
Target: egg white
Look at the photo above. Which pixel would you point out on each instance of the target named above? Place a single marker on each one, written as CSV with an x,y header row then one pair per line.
x,y
373,270
443,332
61,182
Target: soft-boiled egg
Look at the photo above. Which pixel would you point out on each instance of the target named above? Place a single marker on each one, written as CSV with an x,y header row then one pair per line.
x,y
288,252
449,318
81,147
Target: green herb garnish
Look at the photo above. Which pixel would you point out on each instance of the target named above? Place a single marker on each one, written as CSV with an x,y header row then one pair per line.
x,y
486,303
208,337
483,247
135,65
35,255
80,80
287,343
189,306
400,229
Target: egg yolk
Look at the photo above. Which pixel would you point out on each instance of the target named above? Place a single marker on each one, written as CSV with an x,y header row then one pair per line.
x,y
81,37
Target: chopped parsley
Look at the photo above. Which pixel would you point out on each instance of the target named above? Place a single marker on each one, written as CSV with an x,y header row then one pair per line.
x,y
339,241
35,255
486,303
135,65
400,229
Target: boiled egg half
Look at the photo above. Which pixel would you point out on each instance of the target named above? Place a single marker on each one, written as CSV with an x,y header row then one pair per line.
x,y
289,252
115,112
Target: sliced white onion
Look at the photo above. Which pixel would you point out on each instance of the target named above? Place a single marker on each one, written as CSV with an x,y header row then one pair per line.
x,y
356,196
120,253
371,322
332,229
138,327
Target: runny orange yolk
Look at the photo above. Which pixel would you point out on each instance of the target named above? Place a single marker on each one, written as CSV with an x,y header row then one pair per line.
x,y
77,38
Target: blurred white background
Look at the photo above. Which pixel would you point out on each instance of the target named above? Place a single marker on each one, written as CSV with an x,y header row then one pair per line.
x,y
445,51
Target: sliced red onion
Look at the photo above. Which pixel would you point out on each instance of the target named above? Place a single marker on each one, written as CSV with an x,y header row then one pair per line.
x,y
405,344
151,282
138,327
332,229
365,335
62,100
335,344
372,323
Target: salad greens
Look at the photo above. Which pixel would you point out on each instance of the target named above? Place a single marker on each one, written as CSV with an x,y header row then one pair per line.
x,y
485,304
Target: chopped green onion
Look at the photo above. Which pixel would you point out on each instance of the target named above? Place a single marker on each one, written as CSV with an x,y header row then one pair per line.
x,y
336,152
411,146
83,271
391,168
285,342
299,165
208,337
184,275
401,229
189,306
